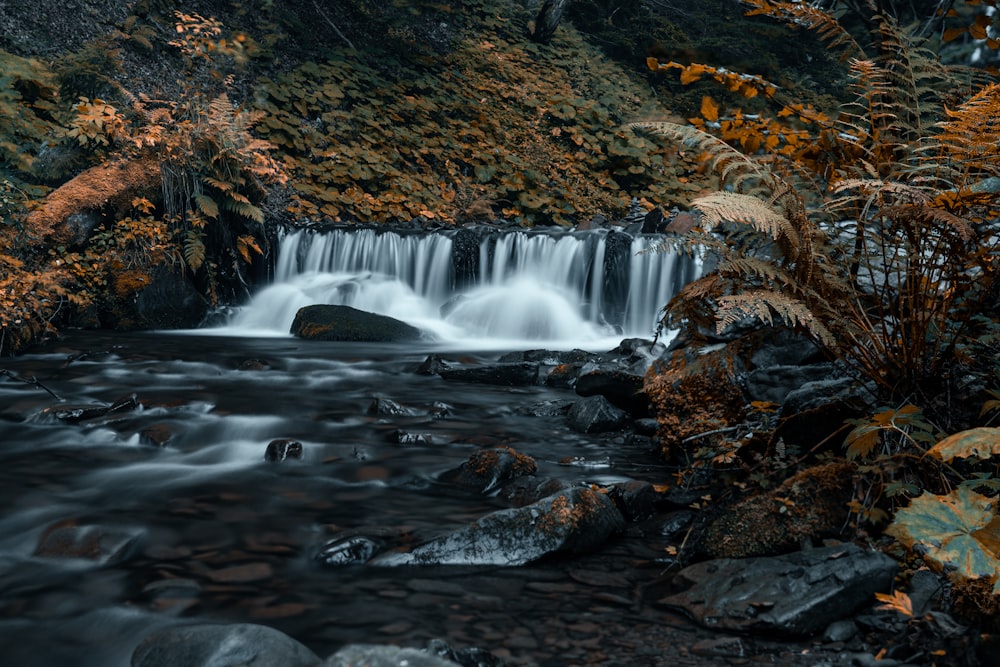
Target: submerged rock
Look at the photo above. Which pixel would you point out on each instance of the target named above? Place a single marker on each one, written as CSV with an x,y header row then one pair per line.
x,y
574,521
343,323
103,545
377,655
282,449
795,594
352,550
510,375
218,645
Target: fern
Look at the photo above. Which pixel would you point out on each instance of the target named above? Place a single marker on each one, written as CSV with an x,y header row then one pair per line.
x,y
194,249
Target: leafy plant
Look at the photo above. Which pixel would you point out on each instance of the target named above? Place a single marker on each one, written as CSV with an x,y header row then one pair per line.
x,y
958,533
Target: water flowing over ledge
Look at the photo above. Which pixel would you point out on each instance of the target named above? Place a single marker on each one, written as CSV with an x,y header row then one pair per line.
x,y
476,287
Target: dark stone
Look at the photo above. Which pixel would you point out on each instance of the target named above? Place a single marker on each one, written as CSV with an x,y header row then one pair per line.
x,y
466,657
353,550
386,407
217,645
375,655
622,388
253,365
125,404
646,426
635,500
796,594
529,489
103,545
774,383
489,469
783,347
170,301
840,631
401,437
595,414
617,258
74,414
546,408
510,375
343,323
282,449
465,257
654,222
673,523
432,365
573,522
563,376
157,435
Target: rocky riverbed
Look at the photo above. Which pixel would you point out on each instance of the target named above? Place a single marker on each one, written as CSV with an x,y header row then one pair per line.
x,y
348,493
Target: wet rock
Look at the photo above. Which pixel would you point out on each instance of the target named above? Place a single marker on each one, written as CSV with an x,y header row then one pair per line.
x,y
551,357
253,365
441,410
719,647
432,365
489,469
401,437
170,301
529,489
386,407
673,523
374,655
352,550
774,383
783,347
466,657
595,414
343,323
103,545
795,594
840,631
546,409
808,505
74,414
510,375
573,522
217,645
646,426
635,500
562,375
621,387
282,449
157,435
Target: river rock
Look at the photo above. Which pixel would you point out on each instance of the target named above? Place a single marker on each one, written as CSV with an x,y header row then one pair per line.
x,y
530,489
170,301
219,645
386,407
282,449
510,375
573,522
343,323
102,545
795,594
466,657
376,655
622,387
352,550
489,469
595,414
636,500
774,383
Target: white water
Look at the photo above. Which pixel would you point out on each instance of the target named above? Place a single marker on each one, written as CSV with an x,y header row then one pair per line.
x,y
530,289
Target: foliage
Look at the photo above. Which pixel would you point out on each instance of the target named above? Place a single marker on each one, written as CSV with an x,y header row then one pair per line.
x,y
495,127
981,443
28,96
958,532
892,287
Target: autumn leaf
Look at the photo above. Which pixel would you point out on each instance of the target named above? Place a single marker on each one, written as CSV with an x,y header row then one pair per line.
x,y
896,601
957,532
982,443
709,109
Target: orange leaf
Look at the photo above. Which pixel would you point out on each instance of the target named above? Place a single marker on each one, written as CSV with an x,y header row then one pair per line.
x,y
709,109
952,33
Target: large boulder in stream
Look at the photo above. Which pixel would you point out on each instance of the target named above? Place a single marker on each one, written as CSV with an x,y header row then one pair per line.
x,y
344,323
218,645
573,521
378,655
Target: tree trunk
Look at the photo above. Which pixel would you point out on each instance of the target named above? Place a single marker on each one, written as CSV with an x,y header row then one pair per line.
x,y
548,20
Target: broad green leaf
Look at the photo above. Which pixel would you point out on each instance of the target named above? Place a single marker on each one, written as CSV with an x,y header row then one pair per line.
x,y
983,443
959,531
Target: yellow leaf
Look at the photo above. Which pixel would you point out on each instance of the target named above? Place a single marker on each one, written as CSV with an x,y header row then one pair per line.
x,y
982,443
897,601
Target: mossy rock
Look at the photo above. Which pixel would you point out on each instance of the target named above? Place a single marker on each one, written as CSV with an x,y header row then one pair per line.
x,y
343,323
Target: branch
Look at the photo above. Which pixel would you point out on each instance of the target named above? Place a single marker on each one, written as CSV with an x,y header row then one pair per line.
x,y
33,381
333,25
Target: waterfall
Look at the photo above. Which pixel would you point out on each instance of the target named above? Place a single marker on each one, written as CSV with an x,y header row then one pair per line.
x,y
473,285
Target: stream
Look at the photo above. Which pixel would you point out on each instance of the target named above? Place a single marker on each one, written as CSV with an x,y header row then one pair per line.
x,y
138,496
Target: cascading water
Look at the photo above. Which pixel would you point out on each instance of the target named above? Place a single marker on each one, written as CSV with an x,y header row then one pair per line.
x,y
483,288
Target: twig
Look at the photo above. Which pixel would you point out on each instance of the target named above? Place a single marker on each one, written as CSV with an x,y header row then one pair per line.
x,y
333,25
33,381
696,436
